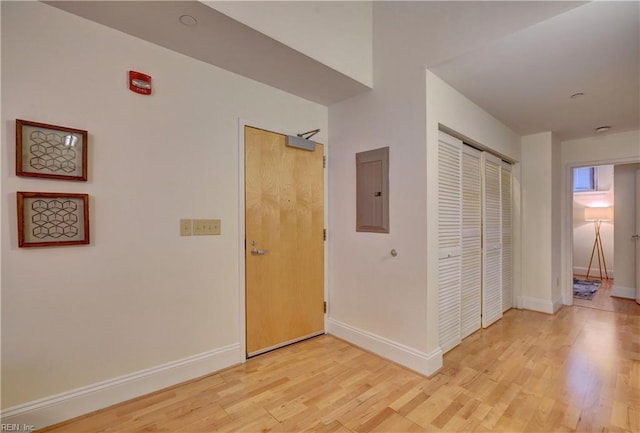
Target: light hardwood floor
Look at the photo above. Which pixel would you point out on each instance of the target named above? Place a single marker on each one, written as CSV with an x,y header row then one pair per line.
x,y
604,301
578,370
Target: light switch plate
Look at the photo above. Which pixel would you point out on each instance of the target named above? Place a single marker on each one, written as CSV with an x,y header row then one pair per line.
x,y
206,227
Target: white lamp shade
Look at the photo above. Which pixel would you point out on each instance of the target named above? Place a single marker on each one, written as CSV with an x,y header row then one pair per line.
x,y
597,214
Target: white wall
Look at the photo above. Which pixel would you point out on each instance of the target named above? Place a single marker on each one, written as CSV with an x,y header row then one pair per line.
x,y
338,34
376,300
625,226
604,177
451,109
612,148
556,221
540,203
601,149
139,296
390,305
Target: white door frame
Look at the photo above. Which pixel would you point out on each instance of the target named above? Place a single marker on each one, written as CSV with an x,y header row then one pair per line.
x,y
242,335
637,232
567,212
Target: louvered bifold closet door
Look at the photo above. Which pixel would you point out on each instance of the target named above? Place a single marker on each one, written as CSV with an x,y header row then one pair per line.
x,y
507,236
449,239
492,239
471,272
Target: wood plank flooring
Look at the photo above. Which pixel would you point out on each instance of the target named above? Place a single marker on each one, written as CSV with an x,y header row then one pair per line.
x,y
604,301
576,371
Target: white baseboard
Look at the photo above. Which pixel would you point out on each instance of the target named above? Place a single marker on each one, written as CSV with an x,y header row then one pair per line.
x,y
540,305
594,273
423,363
557,304
623,292
70,404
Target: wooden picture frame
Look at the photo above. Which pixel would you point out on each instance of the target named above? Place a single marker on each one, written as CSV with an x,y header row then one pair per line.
x,y
50,151
48,219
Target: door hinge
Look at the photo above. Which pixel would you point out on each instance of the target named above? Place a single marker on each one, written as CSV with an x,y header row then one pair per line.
x,y
324,161
324,234
324,307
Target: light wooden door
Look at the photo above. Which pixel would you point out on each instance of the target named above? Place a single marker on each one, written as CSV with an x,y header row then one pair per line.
x,y
284,251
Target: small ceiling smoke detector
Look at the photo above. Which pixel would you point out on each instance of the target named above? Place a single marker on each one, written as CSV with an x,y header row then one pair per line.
x,y
188,20
603,128
577,95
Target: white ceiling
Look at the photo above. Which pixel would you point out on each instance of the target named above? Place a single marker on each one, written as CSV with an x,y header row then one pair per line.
x,y
526,79
220,41
520,61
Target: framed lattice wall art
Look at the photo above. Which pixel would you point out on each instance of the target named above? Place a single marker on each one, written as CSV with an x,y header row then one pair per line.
x,y
47,219
50,151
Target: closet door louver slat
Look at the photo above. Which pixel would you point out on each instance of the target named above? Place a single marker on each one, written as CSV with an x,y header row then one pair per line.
x,y
507,237
475,236
449,239
471,272
492,241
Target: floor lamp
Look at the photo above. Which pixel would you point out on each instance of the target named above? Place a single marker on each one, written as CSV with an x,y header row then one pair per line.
x,y
597,215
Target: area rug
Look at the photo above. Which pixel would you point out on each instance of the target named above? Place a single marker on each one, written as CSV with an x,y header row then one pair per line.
x,y
585,289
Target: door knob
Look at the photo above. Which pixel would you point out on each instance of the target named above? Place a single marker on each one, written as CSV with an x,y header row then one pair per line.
x,y
635,237
255,251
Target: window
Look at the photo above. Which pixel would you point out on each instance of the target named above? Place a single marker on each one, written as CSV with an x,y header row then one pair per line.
x,y
584,179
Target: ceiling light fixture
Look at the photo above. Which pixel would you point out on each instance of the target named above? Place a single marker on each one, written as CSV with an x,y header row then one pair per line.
x,y
577,95
188,20
603,128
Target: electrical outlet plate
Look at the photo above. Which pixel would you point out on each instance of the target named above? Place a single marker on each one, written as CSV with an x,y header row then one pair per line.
x,y
185,227
206,227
